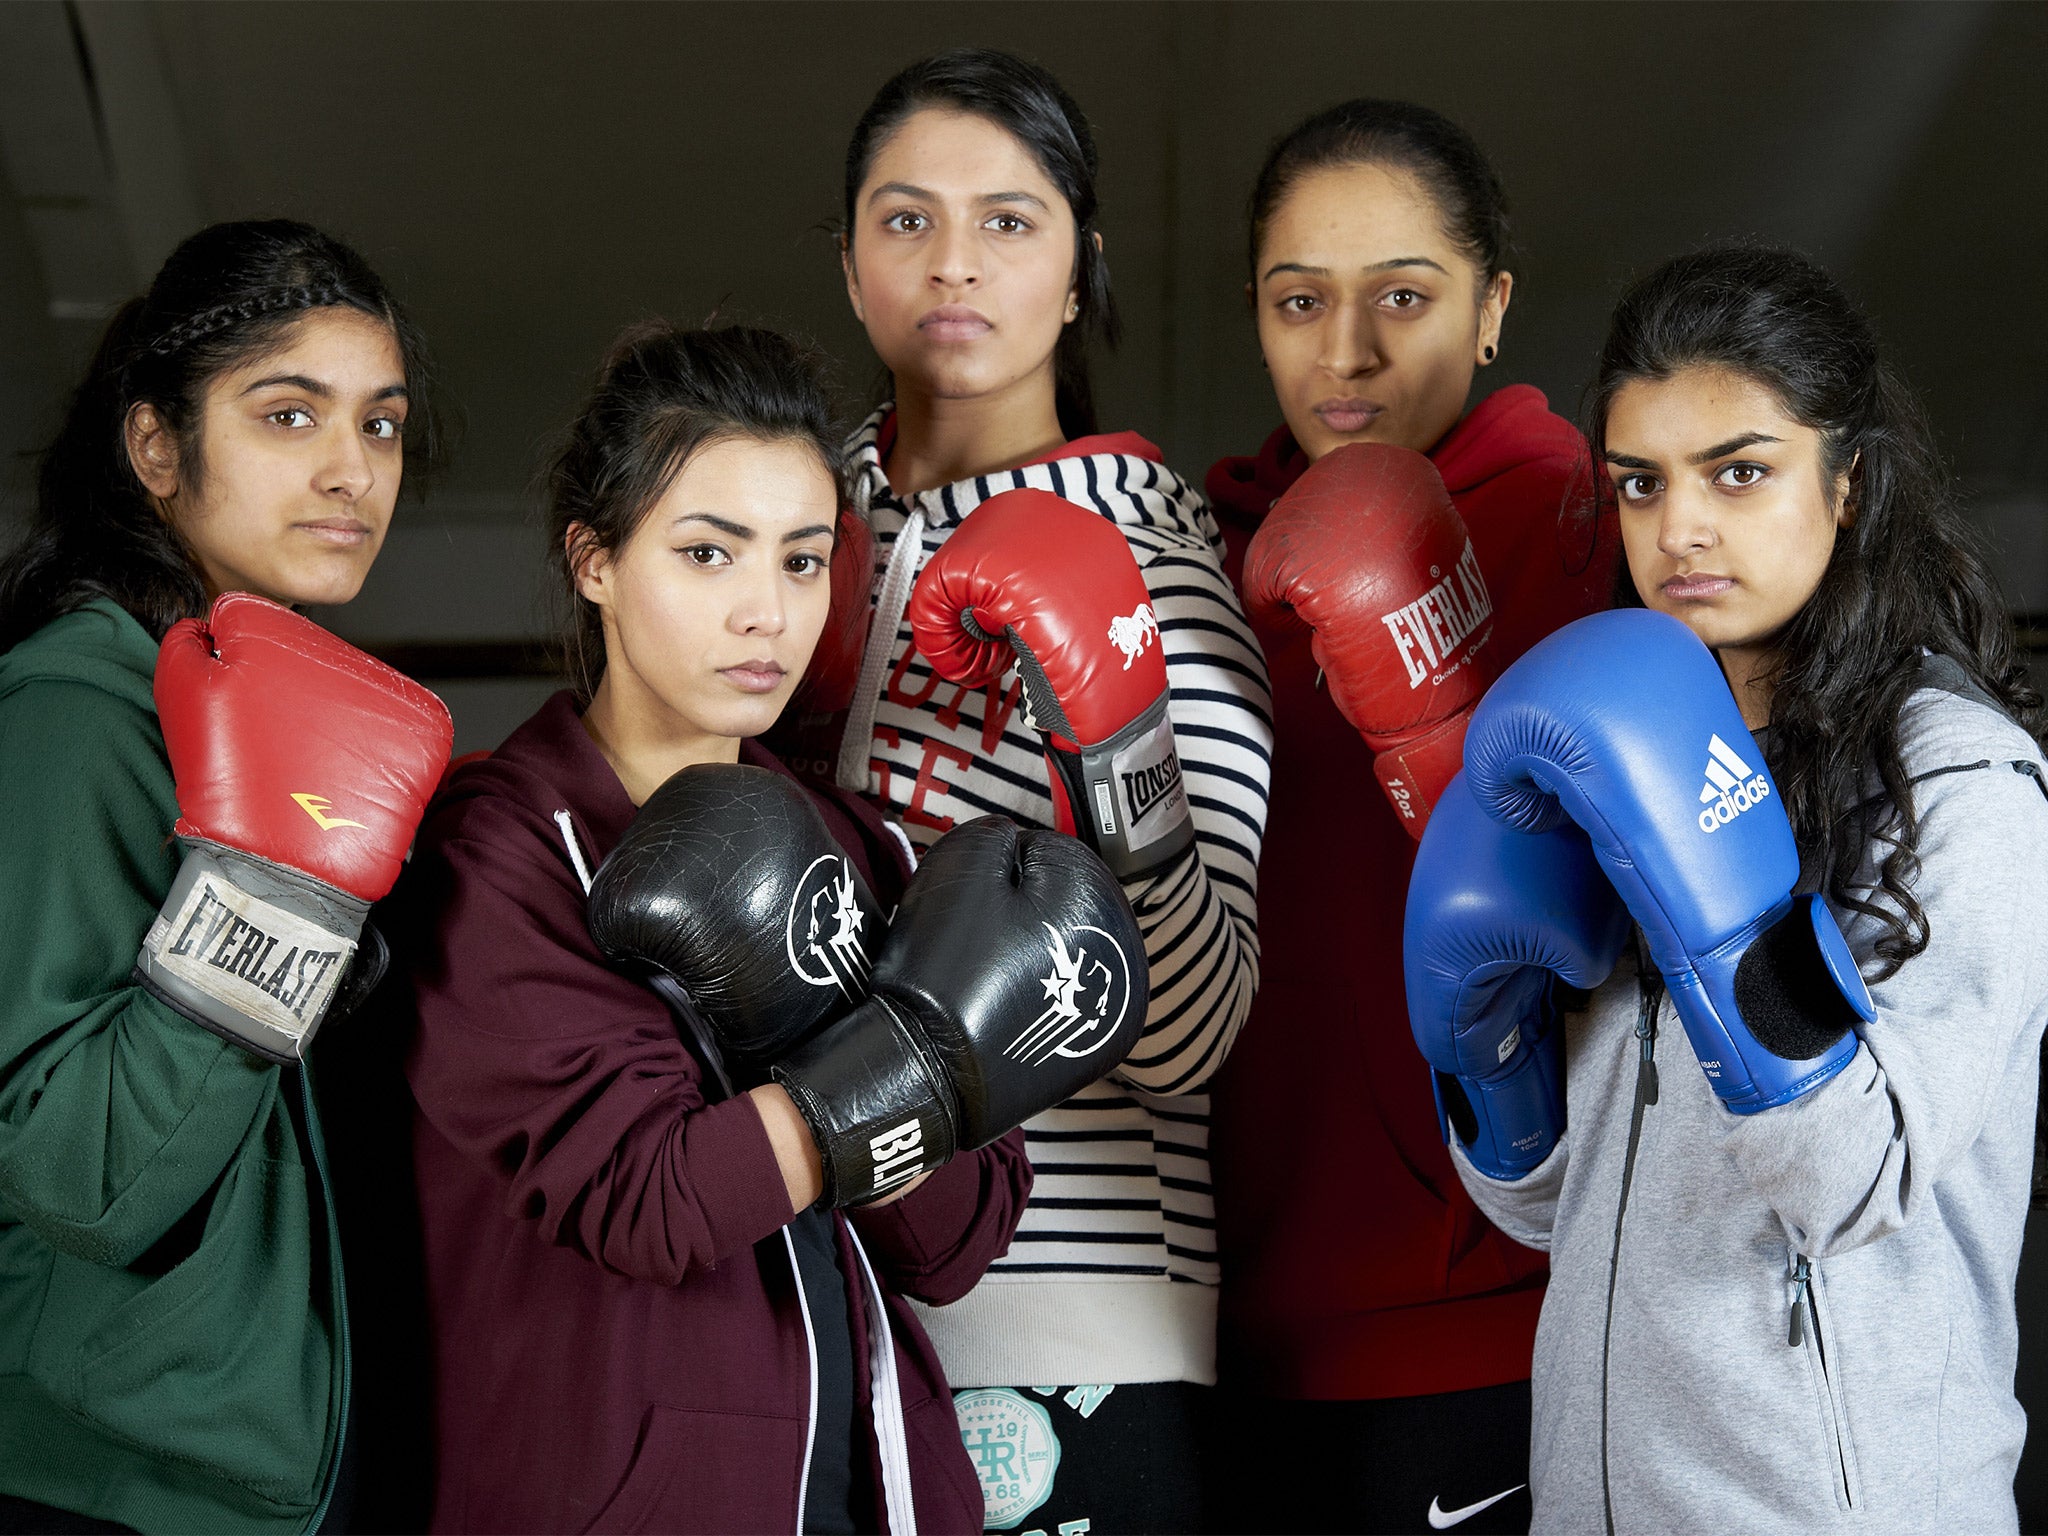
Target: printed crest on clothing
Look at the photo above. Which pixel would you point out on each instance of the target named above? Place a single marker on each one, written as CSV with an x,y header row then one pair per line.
x,y
1014,1450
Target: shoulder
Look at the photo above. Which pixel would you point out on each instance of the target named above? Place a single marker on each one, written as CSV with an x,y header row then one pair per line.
x,y
1511,435
99,647
1939,730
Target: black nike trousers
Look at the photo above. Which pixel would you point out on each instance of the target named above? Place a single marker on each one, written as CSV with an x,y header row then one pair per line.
x,y
1398,1464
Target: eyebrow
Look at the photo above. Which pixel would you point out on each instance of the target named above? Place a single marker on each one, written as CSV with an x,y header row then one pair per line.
x,y
742,531
317,389
905,189
1705,456
1734,444
1390,264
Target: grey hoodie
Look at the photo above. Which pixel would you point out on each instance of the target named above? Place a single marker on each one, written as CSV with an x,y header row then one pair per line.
x,y
1713,1390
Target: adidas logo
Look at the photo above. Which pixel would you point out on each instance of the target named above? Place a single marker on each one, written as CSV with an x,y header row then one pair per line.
x,y
1732,786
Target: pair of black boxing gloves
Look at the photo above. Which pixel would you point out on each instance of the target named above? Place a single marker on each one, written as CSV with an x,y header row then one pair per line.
x,y
1011,977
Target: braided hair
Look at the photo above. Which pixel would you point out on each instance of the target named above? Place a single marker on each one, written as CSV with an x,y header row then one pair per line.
x,y
226,295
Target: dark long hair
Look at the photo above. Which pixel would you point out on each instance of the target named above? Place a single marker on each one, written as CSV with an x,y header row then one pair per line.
x,y
226,296
1446,159
1035,109
661,395
1905,574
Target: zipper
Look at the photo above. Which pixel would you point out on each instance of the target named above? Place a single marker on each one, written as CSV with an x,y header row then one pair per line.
x,y
318,1147
1804,1329
803,1306
1650,998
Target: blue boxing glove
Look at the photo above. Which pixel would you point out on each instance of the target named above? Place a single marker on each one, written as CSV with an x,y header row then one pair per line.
x,y
1623,723
1495,919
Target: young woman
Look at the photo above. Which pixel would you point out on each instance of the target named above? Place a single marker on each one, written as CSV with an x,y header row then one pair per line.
x,y
1791,1302
174,1334
1396,1340
973,258
624,1337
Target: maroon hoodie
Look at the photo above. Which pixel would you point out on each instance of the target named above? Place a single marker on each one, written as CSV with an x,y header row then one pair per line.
x,y
616,1341
1354,1263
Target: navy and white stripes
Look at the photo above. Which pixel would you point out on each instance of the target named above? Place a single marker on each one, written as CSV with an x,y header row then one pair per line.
x,y
1123,1190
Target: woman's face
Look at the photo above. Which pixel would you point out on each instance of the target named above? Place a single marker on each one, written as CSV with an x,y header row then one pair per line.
x,y
713,605
1370,318
1727,514
960,260
300,455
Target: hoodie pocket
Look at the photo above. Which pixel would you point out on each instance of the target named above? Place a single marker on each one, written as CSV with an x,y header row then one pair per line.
x,y
1812,1331
219,1362
695,1470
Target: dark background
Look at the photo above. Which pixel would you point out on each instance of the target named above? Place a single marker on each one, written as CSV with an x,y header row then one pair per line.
x,y
533,176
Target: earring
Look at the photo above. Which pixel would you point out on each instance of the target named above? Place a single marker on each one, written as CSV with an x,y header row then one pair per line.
x,y
1073,309
1489,354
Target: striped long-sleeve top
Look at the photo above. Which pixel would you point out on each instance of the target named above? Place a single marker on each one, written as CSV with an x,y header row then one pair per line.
x,y
1112,1275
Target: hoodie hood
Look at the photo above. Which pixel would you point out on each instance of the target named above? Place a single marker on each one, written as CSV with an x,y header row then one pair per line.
x,y
1508,429
100,645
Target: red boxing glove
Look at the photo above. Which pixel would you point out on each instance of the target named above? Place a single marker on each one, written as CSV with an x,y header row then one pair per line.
x,y
1029,577
1368,551
303,768
828,683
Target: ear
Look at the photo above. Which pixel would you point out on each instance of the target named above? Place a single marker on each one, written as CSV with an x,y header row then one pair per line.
x,y
1493,309
152,451
852,277
1848,490
590,566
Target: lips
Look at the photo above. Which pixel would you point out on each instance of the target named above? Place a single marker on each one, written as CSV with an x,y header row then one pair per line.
x,y
755,676
955,322
339,532
1349,415
1698,585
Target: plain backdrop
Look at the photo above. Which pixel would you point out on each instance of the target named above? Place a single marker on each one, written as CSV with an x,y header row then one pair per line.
x,y
533,176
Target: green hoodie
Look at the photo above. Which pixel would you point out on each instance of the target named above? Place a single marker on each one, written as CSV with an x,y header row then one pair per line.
x,y
173,1342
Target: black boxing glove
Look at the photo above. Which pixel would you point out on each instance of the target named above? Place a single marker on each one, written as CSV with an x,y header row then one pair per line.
x,y
728,882
1012,977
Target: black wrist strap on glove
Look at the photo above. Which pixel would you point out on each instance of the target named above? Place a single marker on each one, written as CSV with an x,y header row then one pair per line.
x,y
876,1107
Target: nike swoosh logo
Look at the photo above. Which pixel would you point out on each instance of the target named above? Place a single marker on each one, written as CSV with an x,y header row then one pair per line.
x,y
1441,1519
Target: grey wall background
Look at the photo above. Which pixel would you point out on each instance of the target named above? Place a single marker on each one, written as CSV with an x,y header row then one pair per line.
x,y
533,176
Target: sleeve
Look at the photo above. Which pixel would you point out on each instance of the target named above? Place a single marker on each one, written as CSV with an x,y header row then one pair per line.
x,y
568,1079
117,1113
1863,1155
1524,1208
1200,918
936,1243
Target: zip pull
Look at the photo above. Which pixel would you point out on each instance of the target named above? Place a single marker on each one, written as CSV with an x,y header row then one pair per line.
x,y
1650,995
1795,1334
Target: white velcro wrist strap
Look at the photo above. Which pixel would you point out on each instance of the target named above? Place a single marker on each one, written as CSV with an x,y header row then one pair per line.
x,y
250,950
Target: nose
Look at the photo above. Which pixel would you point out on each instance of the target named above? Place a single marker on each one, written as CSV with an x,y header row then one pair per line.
x,y
1686,527
758,606
1350,342
954,256
346,470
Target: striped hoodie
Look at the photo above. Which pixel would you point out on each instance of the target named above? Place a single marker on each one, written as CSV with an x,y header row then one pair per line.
x,y
1112,1274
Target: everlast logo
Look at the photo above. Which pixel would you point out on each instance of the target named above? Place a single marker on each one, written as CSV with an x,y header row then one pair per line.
x,y
227,942
1146,787
1429,629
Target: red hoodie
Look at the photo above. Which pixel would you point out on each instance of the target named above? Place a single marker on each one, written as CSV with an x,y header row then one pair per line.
x,y
1354,1264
